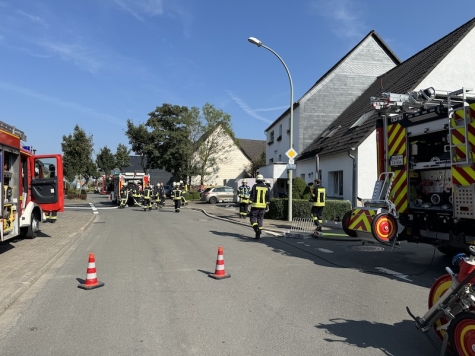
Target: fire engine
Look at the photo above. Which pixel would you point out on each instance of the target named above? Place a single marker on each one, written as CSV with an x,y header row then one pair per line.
x,y
32,184
120,179
425,192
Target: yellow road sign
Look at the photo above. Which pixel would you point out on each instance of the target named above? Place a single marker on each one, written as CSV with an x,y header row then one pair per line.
x,y
291,153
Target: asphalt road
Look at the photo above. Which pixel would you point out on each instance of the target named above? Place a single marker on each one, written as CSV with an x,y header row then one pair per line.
x,y
284,297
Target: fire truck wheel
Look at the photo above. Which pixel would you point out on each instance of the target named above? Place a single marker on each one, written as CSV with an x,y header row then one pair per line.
x,y
436,291
384,228
345,222
31,231
462,334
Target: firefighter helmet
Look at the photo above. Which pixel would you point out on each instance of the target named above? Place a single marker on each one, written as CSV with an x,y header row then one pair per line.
x,y
244,180
260,177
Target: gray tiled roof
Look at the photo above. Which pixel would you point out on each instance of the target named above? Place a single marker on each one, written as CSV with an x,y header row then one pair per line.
x,y
383,46
252,148
401,79
156,175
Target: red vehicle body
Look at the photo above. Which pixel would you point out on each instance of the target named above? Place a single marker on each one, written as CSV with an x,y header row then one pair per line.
x,y
32,185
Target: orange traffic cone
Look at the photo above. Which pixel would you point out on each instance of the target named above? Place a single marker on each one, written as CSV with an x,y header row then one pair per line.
x,y
220,272
91,276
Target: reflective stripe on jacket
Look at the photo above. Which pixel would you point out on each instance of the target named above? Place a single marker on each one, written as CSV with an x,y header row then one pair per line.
x,y
259,195
318,196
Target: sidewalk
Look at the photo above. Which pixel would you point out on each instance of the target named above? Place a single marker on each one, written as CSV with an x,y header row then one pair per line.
x,y
23,261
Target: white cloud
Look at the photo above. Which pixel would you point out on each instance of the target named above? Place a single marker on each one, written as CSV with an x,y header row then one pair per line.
x,y
32,18
248,110
345,16
66,104
140,8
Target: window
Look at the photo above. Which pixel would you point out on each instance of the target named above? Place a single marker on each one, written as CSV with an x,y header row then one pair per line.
x,y
279,138
336,178
271,138
229,190
271,160
302,176
280,158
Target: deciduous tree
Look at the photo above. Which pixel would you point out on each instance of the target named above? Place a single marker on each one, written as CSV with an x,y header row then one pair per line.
x,y
105,160
122,156
77,155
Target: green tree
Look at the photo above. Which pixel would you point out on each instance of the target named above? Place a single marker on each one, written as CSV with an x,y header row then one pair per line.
x,y
122,156
142,143
77,155
172,127
214,146
105,160
256,163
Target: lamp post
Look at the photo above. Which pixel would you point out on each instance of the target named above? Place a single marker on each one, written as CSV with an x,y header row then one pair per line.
x,y
258,43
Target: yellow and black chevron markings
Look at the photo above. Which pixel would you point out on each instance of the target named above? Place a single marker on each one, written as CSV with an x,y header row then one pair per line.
x,y
397,146
361,219
463,174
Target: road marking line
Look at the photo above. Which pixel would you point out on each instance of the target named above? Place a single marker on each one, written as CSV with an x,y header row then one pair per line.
x,y
94,210
307,245
393,273
324,250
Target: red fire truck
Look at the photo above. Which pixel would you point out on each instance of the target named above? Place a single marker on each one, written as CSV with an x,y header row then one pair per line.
x,y
122,178
32,185
426,164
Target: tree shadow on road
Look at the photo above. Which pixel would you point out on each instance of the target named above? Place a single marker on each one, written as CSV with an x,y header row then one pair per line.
x,y
229,234
398,339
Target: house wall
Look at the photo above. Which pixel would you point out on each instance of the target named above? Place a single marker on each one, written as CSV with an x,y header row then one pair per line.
x,y
335,163
326,101
232,163
305,168
367,170
456,70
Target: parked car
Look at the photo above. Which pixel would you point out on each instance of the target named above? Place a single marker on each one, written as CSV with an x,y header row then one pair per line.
x,y
214,195
168,190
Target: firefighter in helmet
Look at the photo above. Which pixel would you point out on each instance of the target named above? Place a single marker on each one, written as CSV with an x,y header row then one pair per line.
x,y
147,197
176,196
259,197
318,194
124,195
244,192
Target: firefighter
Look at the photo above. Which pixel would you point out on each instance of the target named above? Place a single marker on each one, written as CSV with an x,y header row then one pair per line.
x,y
318,194
176,196
161,195
259,198
155,195
183,191
243,193
124,195
147,197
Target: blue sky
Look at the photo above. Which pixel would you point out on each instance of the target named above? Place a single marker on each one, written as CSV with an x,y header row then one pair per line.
x,y
97,63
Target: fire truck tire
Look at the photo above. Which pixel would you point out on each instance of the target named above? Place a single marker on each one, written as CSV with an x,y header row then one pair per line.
x,y
462,334
436,291
31,231
384,228
345,222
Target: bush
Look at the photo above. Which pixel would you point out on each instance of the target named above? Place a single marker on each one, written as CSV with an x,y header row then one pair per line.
x,y
301,208
299,188
192,196
83,191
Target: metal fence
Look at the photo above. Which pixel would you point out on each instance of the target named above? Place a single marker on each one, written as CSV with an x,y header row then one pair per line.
x,y
301,228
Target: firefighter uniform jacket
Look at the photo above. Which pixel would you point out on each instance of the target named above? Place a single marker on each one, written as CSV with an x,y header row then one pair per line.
x,y
244,193
259,195
176,193
318,196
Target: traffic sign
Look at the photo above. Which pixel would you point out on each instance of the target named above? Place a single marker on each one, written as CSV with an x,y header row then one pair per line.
x,y
291,161
291,153
291,166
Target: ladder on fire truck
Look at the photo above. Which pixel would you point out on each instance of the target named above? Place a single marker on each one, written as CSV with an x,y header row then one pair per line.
x,y
13,130
460,152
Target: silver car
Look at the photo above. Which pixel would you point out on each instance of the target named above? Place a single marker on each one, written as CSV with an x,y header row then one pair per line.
x,y
218,194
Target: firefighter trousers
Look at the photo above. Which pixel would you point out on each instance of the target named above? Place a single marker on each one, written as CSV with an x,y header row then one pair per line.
x,y
317,214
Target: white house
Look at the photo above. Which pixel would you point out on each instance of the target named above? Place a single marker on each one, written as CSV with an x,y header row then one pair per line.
x,y
322,104
232,157
448,64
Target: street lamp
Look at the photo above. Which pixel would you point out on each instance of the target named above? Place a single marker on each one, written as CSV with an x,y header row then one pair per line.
x,y
258,43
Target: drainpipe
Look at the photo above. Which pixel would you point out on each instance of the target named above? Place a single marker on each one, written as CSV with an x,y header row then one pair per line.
x,y
353,189
317,167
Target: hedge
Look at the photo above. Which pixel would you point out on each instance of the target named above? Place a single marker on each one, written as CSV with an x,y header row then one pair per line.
x,y
192,196
334,209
